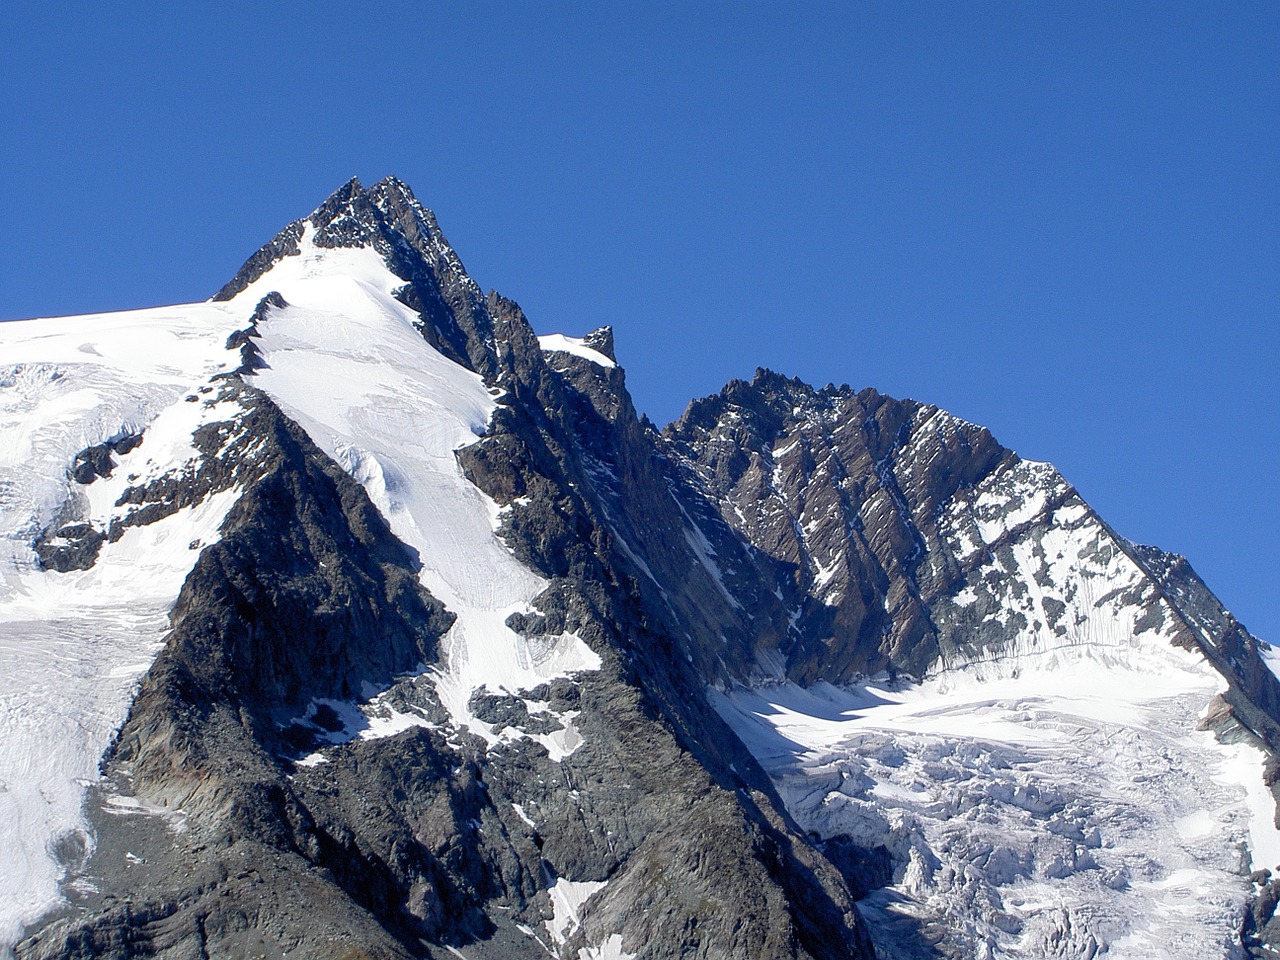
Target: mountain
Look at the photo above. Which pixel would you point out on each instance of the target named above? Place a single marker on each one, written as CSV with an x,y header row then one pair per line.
x,y
344,616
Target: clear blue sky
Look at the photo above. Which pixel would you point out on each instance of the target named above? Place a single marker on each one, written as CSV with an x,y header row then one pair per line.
x,y
1058,220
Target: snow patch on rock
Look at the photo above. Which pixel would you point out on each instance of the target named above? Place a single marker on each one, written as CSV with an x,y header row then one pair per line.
x,y
579,348
567,898
611,949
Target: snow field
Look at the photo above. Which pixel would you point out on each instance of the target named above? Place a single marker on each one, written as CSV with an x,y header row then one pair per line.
x,y
74,645
1047,795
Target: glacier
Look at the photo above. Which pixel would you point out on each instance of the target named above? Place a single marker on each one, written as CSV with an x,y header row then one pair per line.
x,y
74,645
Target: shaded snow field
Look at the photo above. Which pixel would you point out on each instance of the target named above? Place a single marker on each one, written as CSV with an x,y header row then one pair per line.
x,y
1056,813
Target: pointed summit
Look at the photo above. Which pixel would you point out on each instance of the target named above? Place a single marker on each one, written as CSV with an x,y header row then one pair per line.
x,y
382,216
601,340
388,219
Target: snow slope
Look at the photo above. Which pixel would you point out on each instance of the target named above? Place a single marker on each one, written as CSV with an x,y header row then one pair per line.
x,y
73,645
346,361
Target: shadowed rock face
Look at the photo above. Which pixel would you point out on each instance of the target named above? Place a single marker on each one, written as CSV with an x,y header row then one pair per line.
x,y
846,489
887,510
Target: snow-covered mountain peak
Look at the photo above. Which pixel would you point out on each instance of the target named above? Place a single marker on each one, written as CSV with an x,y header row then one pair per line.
x,y
419,267
362,586
385,218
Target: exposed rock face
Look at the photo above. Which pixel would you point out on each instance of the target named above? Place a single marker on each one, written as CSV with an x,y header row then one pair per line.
x,y
845,488
915,538
593,509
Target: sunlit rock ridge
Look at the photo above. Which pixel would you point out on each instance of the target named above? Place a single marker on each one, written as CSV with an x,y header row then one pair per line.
x,y
343,616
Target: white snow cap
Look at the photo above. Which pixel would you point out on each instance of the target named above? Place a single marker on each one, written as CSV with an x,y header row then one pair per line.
x,y
576,346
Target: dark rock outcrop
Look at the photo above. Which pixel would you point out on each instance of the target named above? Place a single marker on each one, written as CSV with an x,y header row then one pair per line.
x,y
69,542
844,488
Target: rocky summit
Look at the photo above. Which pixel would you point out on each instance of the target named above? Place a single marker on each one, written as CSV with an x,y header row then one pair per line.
x,y
344,616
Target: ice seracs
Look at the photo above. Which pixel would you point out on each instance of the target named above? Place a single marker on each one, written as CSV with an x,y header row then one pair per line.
x,y
1080,801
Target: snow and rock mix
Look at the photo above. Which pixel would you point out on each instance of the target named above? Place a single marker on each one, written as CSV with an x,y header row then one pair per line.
x,y
1049,795
74,644
575,346
1044,789
348,362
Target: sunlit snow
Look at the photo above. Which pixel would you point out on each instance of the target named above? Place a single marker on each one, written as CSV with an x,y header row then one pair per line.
x,y
75,644
575,346
1078,801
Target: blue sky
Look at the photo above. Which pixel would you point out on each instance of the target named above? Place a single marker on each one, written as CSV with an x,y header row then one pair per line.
x,y
1059,220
